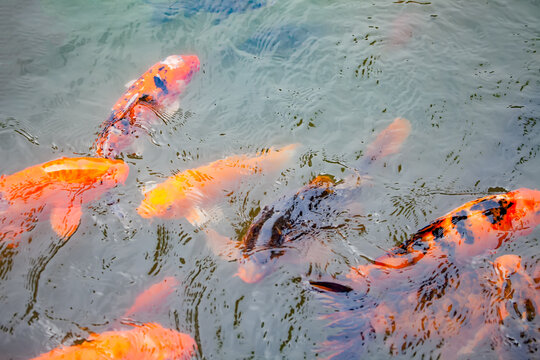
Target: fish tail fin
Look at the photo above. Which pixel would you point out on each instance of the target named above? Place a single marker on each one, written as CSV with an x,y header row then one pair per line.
x,y
290,147
285,153
388,142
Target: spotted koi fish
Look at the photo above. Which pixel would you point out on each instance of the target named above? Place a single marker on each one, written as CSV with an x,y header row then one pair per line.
x,y
472,229
56,189
190,193
155,92
148,341
280,226
424,290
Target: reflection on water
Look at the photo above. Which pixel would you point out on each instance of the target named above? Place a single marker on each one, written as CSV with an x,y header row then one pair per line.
x,y
326,75
458,311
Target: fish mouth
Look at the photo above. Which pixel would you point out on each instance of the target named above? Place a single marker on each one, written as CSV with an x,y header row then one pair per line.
x,y
249,277
192,61
175,61
251,272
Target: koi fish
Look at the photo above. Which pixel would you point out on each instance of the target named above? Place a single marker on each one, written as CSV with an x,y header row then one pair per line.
x,y
57,189
426,288
269,238
279,225
189,193
154,93
472,229
148,341
153,296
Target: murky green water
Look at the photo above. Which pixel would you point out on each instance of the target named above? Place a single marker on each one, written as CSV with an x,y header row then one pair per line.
x,y
325,74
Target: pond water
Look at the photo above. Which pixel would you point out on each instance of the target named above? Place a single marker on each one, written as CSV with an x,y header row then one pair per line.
x,y
328,75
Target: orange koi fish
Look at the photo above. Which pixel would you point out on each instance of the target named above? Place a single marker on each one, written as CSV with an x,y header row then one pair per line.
x,y
155,92
153,296
291,219
189,193
148,341
57,189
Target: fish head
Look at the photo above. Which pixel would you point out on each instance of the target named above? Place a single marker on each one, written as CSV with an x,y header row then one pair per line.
x,y
168,78
526,210
168,200
256,266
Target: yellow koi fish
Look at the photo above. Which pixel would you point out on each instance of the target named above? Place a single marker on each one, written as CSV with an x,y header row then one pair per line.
x,y
188,193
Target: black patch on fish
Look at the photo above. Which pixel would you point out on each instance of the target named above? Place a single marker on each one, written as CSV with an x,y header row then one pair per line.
x,y
485,205
494,211
161,68
417,241
274,254
460,223
250,239
161,84
278,228
420,245
458,218
146,99
438,232
330,286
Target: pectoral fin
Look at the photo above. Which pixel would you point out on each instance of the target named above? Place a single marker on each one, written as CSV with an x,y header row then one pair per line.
x,y
65,220
197,216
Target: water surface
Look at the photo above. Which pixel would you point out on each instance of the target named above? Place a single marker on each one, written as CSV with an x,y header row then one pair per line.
x,y
327,75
